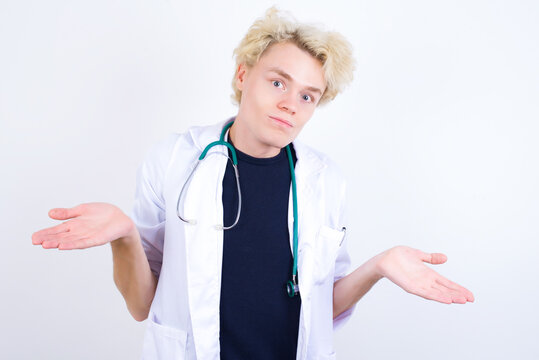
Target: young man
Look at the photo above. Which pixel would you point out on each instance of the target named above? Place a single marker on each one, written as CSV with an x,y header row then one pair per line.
x,y
209,256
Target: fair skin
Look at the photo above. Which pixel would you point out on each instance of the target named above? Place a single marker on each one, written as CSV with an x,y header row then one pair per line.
x,y
279,96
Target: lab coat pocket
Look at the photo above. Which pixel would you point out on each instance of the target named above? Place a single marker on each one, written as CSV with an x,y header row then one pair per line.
x,y
163,342
328,241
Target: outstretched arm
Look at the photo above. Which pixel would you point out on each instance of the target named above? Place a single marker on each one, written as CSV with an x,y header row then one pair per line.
x,y
95,224
405,267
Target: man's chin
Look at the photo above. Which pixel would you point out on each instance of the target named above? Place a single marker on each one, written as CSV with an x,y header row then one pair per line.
x,y
280,144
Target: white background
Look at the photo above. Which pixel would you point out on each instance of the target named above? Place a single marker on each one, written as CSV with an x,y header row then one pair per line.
x,y
437,137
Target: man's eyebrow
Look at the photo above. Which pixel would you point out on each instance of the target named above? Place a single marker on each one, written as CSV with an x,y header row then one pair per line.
x,y
289,78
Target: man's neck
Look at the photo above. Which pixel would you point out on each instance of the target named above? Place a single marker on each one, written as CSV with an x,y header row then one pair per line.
x,y
247,143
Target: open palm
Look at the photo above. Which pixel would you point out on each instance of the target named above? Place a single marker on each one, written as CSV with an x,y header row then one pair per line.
x,y
406,267
90,224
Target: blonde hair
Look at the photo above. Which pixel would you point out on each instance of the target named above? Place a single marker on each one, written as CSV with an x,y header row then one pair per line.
x,y
332,50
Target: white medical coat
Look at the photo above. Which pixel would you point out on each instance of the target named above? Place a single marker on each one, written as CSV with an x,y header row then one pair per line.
x,y
183,322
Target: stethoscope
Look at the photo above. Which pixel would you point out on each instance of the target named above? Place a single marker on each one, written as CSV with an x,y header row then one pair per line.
x,y
292,288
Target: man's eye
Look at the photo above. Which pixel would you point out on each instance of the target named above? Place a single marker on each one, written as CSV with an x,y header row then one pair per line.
x,y
307,97
277,83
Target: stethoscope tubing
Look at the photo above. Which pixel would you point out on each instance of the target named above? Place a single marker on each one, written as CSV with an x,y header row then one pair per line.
x,y
292,285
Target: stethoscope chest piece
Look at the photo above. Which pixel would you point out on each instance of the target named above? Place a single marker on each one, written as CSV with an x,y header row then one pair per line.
x,y
292,288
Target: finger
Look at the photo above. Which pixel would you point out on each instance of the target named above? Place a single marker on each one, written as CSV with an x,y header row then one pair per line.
x,y
39,236
58,237
427,291
50,244
69,243
455,296
65,213
454,286
434,258
435,294
81,243
74,242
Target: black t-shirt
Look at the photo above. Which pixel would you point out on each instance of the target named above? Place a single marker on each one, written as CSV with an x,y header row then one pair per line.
x,y
258,320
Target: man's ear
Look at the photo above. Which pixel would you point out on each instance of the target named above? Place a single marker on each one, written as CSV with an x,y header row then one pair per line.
x,y
240,76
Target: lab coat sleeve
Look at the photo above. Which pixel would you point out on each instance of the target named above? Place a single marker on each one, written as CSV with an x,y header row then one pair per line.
x,y
149,209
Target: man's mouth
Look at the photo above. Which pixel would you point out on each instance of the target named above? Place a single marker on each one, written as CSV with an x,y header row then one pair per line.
x,y
281,121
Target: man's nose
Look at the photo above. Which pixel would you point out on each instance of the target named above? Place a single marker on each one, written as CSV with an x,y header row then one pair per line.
x,y
287,103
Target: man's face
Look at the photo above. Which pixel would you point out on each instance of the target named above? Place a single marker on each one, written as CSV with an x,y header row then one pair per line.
x,y
279,95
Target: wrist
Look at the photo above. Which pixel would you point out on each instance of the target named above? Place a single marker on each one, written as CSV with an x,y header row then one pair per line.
x,y
130,234
377,266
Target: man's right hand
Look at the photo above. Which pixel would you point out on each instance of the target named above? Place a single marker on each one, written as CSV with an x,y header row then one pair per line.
x,y
87,225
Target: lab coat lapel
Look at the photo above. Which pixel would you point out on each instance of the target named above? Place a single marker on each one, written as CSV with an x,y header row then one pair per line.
x,y
204,242
307,170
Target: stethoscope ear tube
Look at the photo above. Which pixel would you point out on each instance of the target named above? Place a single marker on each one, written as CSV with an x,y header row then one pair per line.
x,y
181,193
236,172
239,198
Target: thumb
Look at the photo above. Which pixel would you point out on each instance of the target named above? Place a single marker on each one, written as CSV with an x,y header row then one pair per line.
x,y
63,213
434,258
